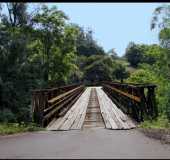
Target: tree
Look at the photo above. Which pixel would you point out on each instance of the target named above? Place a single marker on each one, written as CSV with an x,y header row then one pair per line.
x,y
112,53
14,68
161,19
133,54
119,72
17,15
49,25
98,72
151,53
103,68
85,44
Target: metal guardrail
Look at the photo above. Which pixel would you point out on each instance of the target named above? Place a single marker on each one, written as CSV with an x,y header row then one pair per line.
x,y
138,100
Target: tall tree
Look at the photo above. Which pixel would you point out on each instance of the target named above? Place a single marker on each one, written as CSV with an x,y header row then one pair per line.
x,y
49,24
133,54
17,14
85,44
161,19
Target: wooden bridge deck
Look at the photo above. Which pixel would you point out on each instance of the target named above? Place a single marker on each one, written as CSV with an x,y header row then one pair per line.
x,y
93,109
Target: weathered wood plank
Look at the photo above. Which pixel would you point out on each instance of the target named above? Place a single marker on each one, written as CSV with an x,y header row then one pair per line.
x,y
62,95
104,111
67,121
71,119
117,119
138,99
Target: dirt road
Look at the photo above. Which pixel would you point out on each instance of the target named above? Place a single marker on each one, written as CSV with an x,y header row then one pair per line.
x,y
89,143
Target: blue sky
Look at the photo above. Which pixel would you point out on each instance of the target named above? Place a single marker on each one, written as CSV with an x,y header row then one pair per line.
x,y
114,24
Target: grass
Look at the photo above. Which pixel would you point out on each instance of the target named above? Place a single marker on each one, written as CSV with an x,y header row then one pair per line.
x,y
12,128
157,129
161,123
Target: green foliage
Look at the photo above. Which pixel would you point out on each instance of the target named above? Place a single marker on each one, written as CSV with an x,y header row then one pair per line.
x,y
133,54
143,76
103,68
141,53
99,70
113,54
161,123
18,15
86,45
7,116
146,74
12,128
30,57
161,19
39,50
164,37
51,24
120,72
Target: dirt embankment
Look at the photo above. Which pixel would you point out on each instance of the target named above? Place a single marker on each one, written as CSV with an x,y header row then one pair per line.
x,y
160,134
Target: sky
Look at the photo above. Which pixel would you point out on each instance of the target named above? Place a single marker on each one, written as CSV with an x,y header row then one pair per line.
x,y
114,24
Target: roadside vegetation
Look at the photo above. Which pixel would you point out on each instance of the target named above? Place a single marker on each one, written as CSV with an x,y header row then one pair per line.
x,y
12,128
152,65
41,48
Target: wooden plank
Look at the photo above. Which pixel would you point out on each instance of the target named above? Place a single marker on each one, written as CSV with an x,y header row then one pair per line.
x,y
52,112
63,119
114,114
123,117
119,113
64,111
103,112
78,118
52,125
117,118
83,99
58,102
113,117
76,124
80,124
106,116
59,126
138,99
62,95
113,122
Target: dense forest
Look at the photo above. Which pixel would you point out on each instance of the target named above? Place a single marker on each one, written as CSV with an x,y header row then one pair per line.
x,y
41,48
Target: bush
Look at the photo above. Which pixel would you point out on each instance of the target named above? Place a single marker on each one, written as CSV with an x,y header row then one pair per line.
x,y
162,90
11,128
161,123
7,116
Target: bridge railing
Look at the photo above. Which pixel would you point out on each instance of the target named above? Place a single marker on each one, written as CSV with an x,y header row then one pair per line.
x,y
55,102
138,100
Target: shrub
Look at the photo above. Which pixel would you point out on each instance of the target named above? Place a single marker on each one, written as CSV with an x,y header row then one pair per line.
x,y
7,116
162,90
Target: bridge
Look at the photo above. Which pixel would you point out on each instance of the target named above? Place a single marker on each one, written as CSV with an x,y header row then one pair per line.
x,y
90,122
111,105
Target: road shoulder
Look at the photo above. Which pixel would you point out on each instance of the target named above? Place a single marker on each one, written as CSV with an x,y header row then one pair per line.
x,y
160,134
